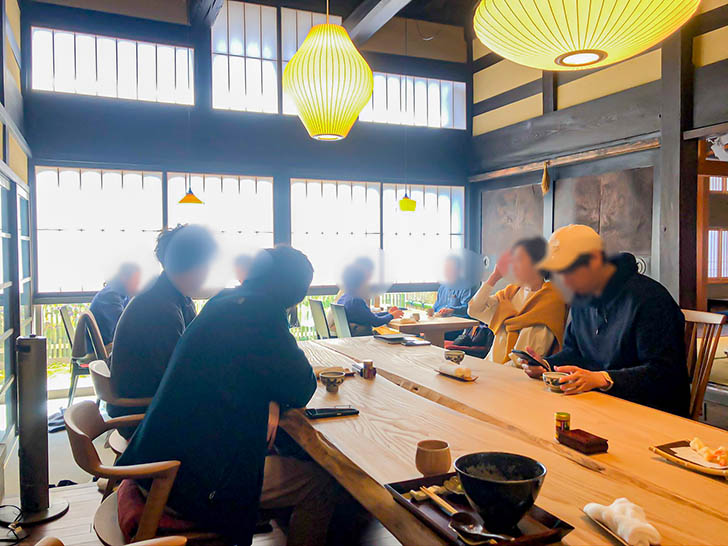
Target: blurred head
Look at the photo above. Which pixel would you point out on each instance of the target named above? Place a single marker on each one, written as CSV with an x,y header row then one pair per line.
x,y
366,264
576,253
355,280
185,253
453,269
282,273
525,256
129,276
242,266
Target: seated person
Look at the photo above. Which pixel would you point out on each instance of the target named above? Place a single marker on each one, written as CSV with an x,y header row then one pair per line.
x,y
366,264
530,312
475,341
153,322
234,362
242,266
360,316
453,295
626,334
110,301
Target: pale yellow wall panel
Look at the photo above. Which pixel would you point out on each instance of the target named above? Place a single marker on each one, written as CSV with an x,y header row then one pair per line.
x,y
509,114
12,64
707,5
479,50
172,11
402,36
710,47
13,11
17,160
501,77
632,73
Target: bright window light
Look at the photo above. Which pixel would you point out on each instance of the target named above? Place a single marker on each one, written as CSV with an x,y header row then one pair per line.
x,y
87,64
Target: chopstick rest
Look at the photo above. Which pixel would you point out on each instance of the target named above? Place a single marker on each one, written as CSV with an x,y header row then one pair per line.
x,y
583,441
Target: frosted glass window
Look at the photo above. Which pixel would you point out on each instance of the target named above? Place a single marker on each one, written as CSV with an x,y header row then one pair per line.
x,y
409,100
437,224
71,62
244,46
295,25
718,184
86,211
333,222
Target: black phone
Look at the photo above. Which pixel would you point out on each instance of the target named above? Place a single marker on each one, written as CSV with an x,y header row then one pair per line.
x,y
320,413
531,361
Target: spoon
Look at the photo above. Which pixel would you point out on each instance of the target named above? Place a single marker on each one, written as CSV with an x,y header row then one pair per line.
x,y
464,523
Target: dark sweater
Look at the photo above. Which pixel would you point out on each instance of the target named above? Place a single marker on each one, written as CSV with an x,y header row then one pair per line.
x,y
635,331
146,336
455,298
358,312
106,307
211,409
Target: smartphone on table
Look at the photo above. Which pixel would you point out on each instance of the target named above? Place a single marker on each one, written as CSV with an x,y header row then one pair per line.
x,y
321,413
531,361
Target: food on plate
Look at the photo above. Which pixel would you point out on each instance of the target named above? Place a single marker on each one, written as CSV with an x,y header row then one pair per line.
x,y
717,456
419,496
457,371
453,485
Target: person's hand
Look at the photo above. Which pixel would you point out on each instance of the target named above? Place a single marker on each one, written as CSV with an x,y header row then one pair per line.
x,y
534,372
501,268
396,313
274,417
580,380
444,312
392,309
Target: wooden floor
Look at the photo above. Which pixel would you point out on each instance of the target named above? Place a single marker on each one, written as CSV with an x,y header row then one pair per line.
x,y
75,528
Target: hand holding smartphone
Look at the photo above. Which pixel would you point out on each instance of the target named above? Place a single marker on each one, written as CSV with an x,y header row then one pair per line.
x,y
532,361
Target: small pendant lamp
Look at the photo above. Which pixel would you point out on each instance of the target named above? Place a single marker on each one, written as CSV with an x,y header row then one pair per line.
x,y
329,81
189,197
406,204
577,34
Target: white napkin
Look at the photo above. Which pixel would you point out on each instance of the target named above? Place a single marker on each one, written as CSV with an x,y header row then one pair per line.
x,y
457,371
627,520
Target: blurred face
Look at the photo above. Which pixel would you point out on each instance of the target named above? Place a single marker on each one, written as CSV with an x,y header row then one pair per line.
x,y
241,273
452,272
190,282
132,283
522,266
584,280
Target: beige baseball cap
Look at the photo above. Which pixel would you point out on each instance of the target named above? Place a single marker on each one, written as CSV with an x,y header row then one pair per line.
x,y
566,244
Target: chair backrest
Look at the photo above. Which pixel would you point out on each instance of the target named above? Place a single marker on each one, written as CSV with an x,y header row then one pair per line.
x,y
84,424
101,378
319,318
87,324
700,351
67,324
340,320
162,541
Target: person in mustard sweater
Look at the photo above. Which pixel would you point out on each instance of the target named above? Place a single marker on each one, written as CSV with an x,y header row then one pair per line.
x,y
529,313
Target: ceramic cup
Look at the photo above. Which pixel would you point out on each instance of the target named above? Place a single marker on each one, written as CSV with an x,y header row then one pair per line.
x,y
433,457
416,316
552,380
454,356
332,380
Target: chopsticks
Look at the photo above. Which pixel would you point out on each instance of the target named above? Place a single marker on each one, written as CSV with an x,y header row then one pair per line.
x,y
437,499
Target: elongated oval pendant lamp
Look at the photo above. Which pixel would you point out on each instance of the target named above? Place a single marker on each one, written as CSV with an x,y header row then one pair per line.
x,y
577,34
329,81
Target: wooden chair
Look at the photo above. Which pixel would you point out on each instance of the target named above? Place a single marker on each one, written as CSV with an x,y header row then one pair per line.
x,y
340,320
84,424
319,319
162,541
79,364
101,378
701,354
81,356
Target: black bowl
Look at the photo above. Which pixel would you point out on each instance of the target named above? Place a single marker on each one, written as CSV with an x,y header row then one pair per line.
x,y
501,487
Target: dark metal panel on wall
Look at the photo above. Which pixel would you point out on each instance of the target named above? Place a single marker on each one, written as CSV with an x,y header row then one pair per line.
x,y
710,104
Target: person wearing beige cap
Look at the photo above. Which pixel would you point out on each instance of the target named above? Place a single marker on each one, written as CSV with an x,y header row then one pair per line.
x,y
626,334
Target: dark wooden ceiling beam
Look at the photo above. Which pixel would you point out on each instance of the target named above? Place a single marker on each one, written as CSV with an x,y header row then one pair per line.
x,y
369,16
203,12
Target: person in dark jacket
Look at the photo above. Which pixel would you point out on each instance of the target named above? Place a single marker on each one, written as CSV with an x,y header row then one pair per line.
x,y
360,316
212,410
626,335
153,322
110,301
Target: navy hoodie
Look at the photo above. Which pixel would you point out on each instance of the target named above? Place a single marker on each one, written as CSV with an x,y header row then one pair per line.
x,y
636,332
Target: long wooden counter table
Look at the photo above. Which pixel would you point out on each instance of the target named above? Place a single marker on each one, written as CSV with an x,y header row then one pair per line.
x,y
378,446
506,398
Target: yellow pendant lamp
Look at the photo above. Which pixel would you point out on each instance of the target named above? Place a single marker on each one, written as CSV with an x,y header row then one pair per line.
x,y
577,34
329,81
189,197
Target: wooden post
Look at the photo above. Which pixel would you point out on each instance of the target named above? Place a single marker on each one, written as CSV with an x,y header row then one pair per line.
x,y
676,189
549,89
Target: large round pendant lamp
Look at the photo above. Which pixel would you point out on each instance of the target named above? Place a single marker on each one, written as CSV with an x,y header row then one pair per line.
x,y
576,34
329,81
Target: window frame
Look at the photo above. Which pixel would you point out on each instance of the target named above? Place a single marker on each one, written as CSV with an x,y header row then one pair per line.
x,y
722,275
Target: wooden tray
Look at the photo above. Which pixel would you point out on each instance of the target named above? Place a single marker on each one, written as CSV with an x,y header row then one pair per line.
x,y
536,521
666,452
